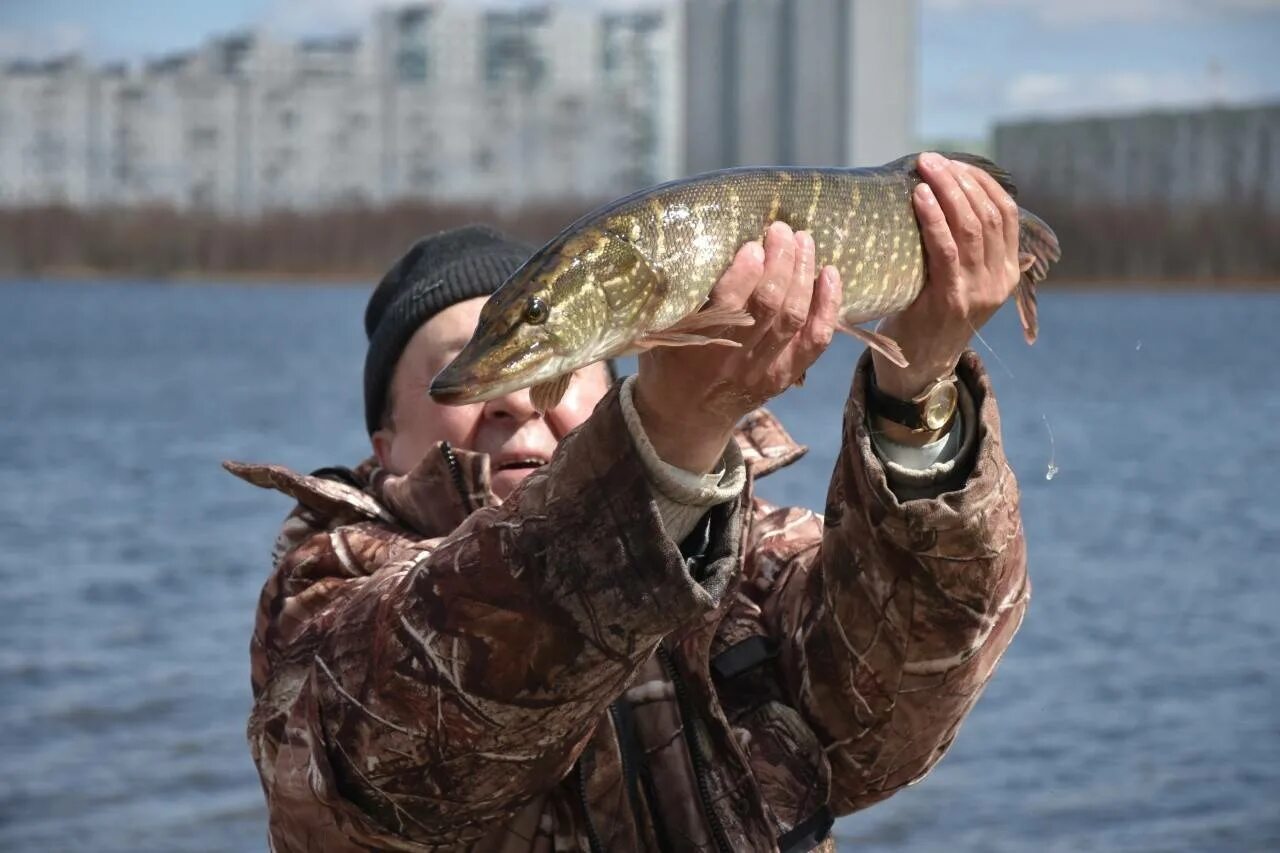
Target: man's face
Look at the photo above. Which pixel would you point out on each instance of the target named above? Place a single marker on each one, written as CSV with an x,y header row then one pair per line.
x,y
508,428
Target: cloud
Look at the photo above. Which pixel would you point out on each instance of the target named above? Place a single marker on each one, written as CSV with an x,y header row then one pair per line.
x,y
1072,13
1039,93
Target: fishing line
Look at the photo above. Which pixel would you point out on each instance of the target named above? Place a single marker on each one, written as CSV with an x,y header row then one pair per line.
x,y
1052,469
994,354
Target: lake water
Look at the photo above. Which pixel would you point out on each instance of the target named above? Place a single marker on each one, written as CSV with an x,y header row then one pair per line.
x,y
1138,709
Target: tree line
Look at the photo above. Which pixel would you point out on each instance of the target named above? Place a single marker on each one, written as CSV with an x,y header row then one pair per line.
x,y
1139,244
159,242
1151,243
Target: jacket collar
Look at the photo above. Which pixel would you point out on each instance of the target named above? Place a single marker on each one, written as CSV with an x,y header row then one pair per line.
x,y
438,494
450,483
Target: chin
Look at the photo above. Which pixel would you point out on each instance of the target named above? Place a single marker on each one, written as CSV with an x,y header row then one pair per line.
x,y
504,482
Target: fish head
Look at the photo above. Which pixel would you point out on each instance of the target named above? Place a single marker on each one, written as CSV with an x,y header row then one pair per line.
x,y
575,302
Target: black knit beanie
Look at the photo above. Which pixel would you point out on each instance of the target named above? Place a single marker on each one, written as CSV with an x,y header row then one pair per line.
x,y
438,271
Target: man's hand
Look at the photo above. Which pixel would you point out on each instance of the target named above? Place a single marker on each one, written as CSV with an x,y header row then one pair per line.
x,y
690,398
970,227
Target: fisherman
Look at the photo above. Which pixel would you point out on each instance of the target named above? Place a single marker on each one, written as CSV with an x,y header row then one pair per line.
x,y
581,630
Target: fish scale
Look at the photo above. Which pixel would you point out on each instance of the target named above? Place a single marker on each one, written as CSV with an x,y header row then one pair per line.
x,y
637,272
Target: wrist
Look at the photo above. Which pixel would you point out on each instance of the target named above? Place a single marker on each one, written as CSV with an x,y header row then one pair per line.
x,y
687,439
932,354
913,421
907,383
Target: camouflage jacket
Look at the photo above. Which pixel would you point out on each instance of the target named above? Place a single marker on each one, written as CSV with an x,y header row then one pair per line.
x,y
433,669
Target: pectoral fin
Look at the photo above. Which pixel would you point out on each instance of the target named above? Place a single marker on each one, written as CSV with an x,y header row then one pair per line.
x,y
696,329
546,395
665,338
886,346
712,317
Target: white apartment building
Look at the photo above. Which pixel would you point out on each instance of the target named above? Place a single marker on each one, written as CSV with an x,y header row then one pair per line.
x,y
456,101
1211,155
48,119
443,101
798,82
643,76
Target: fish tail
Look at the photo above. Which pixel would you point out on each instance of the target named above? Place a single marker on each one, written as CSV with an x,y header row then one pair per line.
x,y
1037,249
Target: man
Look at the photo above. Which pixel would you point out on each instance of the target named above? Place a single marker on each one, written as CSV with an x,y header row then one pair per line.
x,y
581,631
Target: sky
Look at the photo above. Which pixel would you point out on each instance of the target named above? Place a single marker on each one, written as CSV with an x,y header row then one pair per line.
x,y
981,61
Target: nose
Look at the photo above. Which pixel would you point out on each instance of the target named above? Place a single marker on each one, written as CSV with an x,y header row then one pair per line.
x,y
515,406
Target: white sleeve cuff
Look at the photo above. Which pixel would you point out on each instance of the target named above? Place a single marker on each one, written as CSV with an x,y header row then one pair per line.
x,y
682,497
920,458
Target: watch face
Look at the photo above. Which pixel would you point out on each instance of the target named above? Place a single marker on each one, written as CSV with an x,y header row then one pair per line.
x,y
940,405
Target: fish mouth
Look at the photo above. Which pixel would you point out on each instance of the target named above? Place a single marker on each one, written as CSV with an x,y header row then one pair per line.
x,y
448,393
459,384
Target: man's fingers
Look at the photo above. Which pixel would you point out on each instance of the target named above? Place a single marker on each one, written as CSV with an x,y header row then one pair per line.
x,y
988,214
965,226
779,264
1008,222
795,307
795,304
820,326
939,245
739,280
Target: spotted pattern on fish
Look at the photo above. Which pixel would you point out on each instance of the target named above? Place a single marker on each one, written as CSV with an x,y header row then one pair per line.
x,y
811,216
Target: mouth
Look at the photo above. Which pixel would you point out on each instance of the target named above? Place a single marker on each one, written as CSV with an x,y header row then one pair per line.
x,y
518,463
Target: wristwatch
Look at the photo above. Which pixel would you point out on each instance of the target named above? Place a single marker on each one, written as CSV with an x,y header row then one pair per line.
x,y
933,409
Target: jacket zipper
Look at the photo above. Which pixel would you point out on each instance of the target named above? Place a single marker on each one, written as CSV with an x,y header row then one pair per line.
x,y
695,750
628,769
593,838
458,481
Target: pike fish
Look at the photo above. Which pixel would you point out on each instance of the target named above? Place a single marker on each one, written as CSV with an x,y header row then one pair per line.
x,y
636,273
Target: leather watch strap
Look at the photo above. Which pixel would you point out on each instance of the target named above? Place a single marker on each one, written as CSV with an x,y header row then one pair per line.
x,y
902,412
933,410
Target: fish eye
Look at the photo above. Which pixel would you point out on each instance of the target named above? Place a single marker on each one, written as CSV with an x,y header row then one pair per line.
x,y
536,311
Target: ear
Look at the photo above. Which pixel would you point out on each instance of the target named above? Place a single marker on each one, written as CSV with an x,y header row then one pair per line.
x,y
381,441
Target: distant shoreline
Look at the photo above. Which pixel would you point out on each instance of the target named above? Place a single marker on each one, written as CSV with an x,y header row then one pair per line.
x,y
369,278
200,277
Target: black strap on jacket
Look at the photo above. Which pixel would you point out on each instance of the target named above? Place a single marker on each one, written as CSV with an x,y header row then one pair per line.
x,y
808,833
744,655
